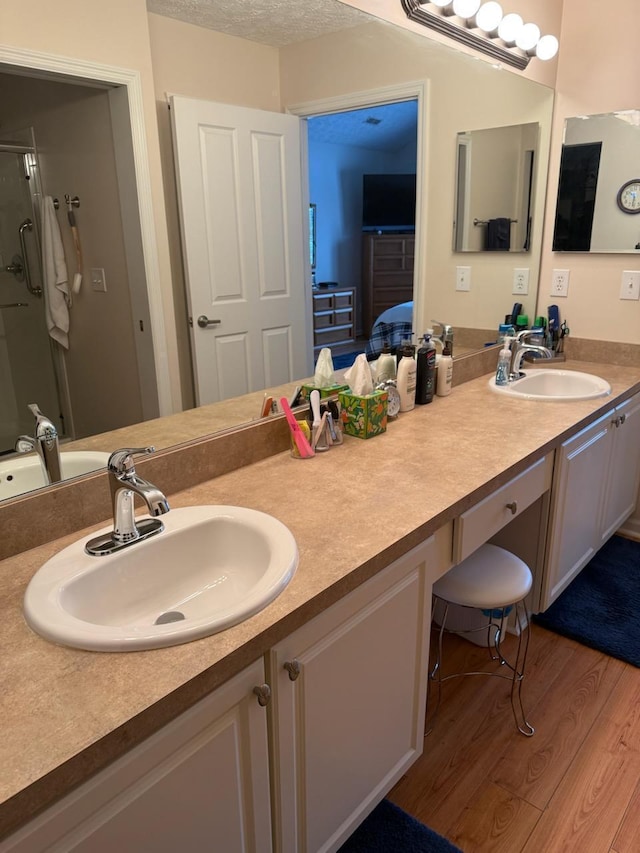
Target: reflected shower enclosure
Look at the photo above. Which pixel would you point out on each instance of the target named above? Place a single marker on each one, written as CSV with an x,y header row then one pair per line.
x,y
27,370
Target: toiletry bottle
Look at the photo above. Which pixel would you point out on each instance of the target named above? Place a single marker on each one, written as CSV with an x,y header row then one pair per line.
x,y
386,367
425,371
445,372
405,343
504,363
406,382
505,330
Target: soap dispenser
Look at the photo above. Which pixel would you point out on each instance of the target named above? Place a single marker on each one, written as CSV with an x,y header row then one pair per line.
x,y
504,363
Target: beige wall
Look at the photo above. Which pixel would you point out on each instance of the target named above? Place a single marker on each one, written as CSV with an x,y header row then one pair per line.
x,y
598,72
201,63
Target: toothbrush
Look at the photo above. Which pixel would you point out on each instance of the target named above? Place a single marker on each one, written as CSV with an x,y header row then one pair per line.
x,y
317,426
304,448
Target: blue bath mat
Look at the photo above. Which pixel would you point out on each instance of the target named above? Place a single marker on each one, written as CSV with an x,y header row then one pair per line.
x,y
601,607
390,830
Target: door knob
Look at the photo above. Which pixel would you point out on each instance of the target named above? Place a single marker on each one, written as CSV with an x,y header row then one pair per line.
x,y
204,321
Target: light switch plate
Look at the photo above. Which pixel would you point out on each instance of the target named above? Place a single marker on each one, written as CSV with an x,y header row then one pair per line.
x,y
630,287
98,280
463,278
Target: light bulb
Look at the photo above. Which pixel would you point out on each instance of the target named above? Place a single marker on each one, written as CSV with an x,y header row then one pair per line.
x,y
441,3
528,37
489,16
547,47
465,8
510,27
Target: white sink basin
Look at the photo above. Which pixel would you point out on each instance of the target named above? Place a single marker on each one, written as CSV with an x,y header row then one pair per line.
x,y
24,473
210,568
552,384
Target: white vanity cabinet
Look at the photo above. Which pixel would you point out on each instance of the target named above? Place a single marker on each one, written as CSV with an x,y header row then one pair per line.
x,y
200,783
623,471
349,694
595,488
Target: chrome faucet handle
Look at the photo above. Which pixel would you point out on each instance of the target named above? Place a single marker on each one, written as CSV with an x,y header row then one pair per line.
x,y
121,461
45,429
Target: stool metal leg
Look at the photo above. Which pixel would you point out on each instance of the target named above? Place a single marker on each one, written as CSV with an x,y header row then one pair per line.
x,y
517,668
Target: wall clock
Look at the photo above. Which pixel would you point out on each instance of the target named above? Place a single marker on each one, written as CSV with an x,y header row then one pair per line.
x,y
629,196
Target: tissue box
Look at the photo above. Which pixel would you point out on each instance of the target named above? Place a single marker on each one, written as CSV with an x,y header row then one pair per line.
x,y
364,417
329,391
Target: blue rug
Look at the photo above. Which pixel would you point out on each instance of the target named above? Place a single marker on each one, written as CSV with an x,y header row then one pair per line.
x,y
601,607
390,830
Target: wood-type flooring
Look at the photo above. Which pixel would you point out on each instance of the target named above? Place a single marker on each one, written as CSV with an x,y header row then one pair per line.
x,y
574,787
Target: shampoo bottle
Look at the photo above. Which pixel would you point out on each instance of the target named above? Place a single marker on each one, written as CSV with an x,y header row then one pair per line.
x,y
445,372
386,367
406,382
426,371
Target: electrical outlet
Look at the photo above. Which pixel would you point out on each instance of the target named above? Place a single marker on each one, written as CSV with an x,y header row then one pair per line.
x,y
463,278
98,280
560,283
630,287
521,281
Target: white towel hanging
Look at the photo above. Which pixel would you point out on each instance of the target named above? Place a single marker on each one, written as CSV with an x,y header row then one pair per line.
x,y
54,268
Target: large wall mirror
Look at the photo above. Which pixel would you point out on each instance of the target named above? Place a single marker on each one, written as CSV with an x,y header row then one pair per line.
x,y
495,188
462,93
599,187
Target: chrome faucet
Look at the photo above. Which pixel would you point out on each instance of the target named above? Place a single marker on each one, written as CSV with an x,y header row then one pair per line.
x,y
45,443
445,337
124,484
519,348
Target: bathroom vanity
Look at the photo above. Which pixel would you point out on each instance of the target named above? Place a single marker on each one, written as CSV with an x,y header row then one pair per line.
x,y
283,732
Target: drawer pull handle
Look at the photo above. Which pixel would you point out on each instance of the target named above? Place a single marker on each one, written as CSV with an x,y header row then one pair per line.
x,y
293,668
623,418
513,506
263,693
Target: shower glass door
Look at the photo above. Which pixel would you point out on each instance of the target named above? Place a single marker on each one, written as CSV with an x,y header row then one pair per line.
x,y
27,370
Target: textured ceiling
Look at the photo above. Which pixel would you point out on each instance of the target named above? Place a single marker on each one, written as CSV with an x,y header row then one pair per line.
x,y
273,22
393,127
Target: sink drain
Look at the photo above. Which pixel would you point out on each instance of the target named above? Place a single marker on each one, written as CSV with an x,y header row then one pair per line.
x,y
169,616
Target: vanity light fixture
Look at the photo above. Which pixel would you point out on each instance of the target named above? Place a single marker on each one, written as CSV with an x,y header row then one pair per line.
x,y
484,27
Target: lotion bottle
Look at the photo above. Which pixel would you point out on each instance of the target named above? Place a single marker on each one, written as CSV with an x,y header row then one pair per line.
x,y
386,367
426,371
445,372
406,381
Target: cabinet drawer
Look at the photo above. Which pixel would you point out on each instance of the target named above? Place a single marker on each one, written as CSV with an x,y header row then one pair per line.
x,y
343,300
332,335
323,319
323,303
390,263
478,524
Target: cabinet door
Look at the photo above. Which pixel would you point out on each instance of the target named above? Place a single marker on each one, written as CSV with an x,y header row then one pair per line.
x,y
578,490
200,783
348,706
624,467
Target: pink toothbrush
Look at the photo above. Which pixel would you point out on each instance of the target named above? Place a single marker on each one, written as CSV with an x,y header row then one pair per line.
x,y
304,448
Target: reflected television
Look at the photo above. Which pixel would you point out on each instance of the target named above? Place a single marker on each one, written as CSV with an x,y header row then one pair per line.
x,y
389,203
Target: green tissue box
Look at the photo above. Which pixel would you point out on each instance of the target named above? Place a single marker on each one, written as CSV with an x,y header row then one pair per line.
x,y
364,417
329,391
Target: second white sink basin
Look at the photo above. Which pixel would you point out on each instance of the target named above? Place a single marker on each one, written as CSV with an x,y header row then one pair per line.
x,y
552,384
21,474
210,568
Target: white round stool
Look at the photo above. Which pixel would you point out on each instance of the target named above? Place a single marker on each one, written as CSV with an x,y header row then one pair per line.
x,y
494,582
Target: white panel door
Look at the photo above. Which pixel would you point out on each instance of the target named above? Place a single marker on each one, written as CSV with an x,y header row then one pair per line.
x,y
244,245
